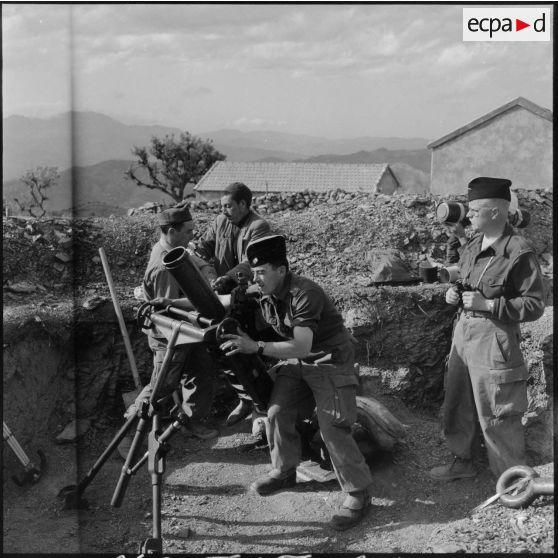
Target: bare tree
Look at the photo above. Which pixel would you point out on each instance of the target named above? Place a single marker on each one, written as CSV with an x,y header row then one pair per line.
x,y
37,181
170,165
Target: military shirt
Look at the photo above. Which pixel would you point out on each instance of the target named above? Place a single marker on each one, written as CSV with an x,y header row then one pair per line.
x,y
508,273
303,303
224,243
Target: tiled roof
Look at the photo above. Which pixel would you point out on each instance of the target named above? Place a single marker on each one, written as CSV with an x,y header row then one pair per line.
x,y
519,102
294,177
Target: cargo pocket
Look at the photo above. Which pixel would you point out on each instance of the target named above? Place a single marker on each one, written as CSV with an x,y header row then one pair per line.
x,y
509,390
506,348
344,399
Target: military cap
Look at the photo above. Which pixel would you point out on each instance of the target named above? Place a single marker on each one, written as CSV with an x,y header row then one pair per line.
x,y
179,213
268,249
487,187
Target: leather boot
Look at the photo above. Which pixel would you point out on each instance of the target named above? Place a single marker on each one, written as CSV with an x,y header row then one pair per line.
x,y
352,511
458,469
268,485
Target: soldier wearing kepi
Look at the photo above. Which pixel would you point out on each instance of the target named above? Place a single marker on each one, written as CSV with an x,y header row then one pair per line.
x,y
191,366
487,376
316,371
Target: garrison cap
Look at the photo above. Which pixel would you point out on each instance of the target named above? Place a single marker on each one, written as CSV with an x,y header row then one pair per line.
x,y
268,249
487,187
179,213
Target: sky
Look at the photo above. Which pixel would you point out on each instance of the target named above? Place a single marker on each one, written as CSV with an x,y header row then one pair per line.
x,y
336,71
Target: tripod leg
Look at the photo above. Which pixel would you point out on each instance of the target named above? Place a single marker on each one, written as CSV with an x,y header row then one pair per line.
x,y
156,466
125,475
105,455
148,410
158,448
72,494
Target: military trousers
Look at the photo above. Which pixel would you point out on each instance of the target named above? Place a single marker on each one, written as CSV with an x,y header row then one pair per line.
x,y
486,385
330,387
192,372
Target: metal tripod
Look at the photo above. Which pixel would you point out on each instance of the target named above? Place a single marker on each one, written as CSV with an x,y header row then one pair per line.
x,y
158,446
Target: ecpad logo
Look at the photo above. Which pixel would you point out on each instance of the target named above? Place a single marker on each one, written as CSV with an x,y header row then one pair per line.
x,y
506,24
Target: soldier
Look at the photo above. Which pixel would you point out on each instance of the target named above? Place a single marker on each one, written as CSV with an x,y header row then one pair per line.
x,y
224,244
192,366
316,371
487,376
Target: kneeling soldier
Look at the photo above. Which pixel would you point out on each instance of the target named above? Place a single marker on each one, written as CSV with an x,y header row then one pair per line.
x,y
317,371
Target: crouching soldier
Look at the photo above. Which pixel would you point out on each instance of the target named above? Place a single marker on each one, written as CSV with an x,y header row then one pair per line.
x,y
316,371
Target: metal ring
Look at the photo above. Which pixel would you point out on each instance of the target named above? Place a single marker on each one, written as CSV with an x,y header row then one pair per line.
x,y
508,477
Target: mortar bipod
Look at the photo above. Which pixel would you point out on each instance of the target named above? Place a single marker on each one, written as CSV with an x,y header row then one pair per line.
x,y
32,473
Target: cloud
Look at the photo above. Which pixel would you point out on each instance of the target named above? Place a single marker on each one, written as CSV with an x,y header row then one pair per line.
x,y
196,91
258,122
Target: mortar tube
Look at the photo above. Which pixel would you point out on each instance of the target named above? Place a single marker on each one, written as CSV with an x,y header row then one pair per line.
x,y
193,284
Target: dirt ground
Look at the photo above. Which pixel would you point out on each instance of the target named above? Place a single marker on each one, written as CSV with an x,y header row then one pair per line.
x,y
208,507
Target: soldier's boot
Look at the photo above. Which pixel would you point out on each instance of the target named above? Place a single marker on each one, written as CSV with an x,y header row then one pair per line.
x,y
352,511
458,469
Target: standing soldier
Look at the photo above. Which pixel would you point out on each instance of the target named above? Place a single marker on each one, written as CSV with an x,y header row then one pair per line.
x,y
487,376
317,371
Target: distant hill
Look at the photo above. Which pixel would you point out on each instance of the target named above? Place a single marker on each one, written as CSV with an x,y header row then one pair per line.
x,y
101,149
71,139
100,190
94,138
411,167
418,158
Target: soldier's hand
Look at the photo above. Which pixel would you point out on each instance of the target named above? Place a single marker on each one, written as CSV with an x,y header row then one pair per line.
x,y
238,343
223,285
474,300
452,296
161,302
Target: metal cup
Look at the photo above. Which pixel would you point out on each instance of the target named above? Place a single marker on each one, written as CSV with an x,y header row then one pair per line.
x,y
428,273
449,274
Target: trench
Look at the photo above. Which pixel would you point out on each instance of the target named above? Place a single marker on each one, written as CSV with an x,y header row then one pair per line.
x,y
67,363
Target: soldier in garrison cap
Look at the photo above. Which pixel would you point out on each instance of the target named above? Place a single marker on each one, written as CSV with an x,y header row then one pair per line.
x,y
224,244
487,376
192,366
316,371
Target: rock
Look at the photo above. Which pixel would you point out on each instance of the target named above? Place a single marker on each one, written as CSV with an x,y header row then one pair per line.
x,y
447,549
63,257
73,431
22,287
94,302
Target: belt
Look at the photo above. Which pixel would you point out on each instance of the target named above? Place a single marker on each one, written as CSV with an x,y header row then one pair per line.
x,y
473,314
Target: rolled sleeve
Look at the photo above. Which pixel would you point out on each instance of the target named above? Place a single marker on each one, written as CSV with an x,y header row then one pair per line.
x,y
526,280
307,309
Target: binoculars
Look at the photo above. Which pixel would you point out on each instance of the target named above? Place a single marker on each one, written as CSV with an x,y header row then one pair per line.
x,y
456,212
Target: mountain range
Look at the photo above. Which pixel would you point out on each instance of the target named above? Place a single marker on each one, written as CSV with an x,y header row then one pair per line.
x,y
92,151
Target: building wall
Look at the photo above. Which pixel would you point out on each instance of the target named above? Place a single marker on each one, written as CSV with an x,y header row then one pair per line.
x,y
516,145
387,185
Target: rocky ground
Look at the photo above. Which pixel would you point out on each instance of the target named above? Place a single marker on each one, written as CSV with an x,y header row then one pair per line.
x,y
208,508
51,268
